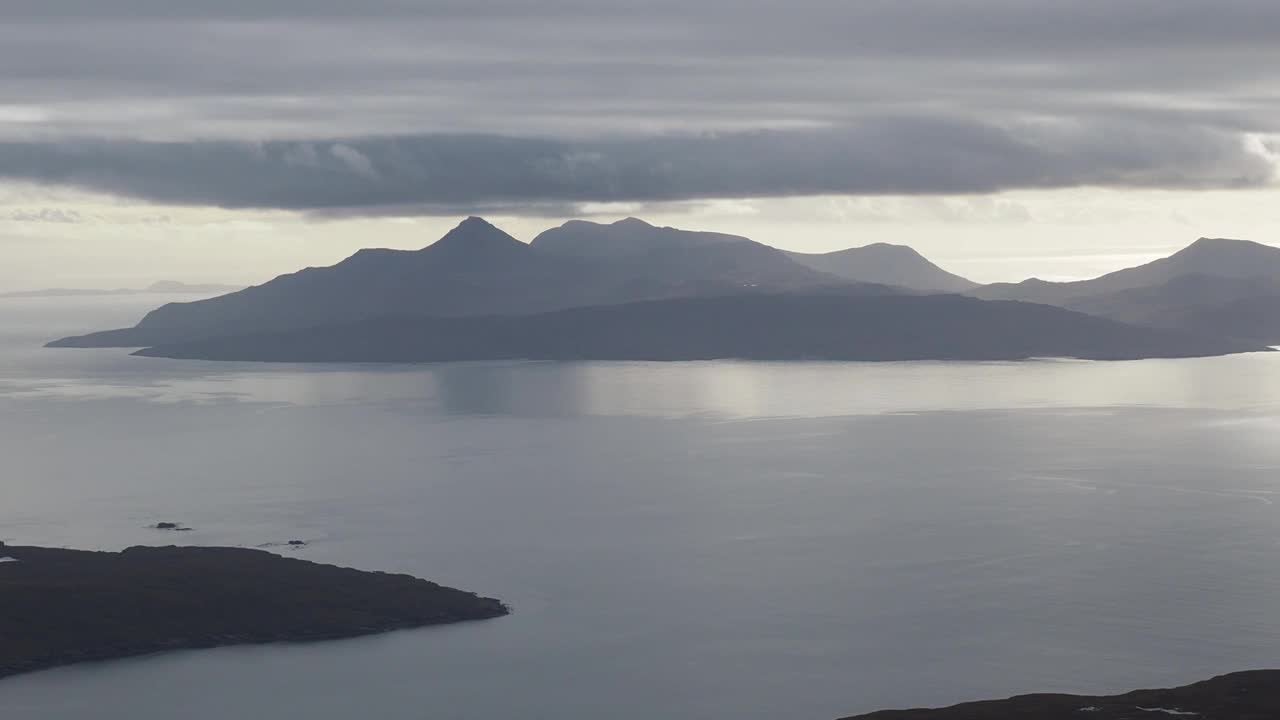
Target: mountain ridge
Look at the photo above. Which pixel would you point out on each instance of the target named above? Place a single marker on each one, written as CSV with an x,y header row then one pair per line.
x,y
627,237
475,269
898,265
1215,285
1210,256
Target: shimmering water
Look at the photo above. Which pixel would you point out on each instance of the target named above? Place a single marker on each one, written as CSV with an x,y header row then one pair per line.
x,y
678,541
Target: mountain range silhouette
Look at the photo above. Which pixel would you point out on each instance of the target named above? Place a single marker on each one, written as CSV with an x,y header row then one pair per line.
x,y
632,290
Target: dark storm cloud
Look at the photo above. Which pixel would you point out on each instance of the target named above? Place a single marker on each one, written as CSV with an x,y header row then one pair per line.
x,y
457,173
446,105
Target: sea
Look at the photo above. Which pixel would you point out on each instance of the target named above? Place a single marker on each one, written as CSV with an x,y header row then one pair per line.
x,y
677,541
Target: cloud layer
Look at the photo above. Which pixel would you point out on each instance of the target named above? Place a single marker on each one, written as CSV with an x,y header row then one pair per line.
x,y
445,106
450,174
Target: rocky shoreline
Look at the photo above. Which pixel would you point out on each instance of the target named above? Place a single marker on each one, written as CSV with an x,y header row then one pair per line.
x,y
59,607
1250,695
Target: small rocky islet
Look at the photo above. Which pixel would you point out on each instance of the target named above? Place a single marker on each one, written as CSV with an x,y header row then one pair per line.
x,y
60,606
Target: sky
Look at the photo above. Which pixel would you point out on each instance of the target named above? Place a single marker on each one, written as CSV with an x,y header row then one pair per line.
x,y
233,140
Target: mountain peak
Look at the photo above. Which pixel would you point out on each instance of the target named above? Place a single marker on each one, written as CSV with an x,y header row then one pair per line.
x,y
634,222
1218,243
889,249
885,264
1235,254
475,234
623,238
477,222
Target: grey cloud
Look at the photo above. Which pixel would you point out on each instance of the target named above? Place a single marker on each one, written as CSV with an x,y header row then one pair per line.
x,y
181,69
445,105
448,174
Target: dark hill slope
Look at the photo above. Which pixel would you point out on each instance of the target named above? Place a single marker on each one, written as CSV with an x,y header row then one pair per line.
x,y
1253,695
827,326
1163,305
1254,319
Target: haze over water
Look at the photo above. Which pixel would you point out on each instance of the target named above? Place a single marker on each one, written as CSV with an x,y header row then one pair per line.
x,y
682,541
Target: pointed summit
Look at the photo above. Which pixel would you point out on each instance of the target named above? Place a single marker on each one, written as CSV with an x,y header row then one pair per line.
x,y
473,226
476,236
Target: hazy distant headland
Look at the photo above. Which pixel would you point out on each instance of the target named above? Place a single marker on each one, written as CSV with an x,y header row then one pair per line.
x,y
633,291
65,606
160,287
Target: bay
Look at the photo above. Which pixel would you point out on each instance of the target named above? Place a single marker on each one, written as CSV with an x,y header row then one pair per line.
x,y
687,540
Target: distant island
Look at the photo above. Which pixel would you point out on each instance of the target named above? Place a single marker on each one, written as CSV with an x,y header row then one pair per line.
x,y
831,326
66,606
160,287
633,291
1252,695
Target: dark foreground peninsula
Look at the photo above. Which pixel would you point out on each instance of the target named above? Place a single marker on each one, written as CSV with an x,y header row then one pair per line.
x,y
1252,695
65,606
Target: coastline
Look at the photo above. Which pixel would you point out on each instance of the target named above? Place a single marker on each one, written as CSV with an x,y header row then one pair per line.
x,y
61,607
1245,695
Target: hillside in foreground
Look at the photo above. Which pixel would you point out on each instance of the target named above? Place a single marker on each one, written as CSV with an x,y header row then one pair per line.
x,y
1253,695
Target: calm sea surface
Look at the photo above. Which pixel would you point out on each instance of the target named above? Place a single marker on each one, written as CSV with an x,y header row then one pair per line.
x,y
687,541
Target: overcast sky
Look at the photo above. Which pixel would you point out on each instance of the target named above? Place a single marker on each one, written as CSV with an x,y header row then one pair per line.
x,y
236,139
